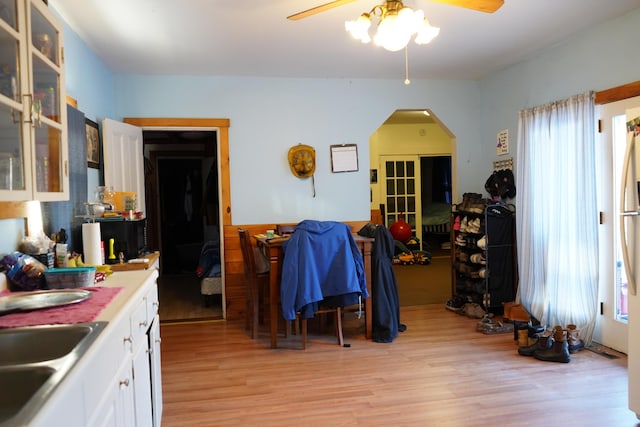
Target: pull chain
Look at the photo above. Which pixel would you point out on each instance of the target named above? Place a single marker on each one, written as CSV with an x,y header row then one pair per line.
x,y
406,65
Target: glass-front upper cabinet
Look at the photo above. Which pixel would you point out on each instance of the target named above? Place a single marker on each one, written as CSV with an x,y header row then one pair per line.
x,y
33,139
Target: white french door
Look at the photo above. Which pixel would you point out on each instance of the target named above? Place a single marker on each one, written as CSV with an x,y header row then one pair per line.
x,y
401,186
611,325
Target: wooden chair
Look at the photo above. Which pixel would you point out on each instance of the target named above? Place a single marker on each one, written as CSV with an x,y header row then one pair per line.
x,y
338,325
255,284
285,229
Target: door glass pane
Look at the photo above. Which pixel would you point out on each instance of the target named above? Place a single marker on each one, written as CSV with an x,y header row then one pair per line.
x,y
401,205
411,169
400,169
411,220
8,12
9,49
48,159
391,187
44,36
390,169
46,90
391,205
411,186
11,154
400,186
411,204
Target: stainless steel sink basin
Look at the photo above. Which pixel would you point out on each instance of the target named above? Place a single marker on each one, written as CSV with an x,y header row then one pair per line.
x,y
22,384
34,360
39,343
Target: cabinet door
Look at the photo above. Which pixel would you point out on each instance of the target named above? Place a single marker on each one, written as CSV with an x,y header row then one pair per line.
x,y
33,140
116,409
15,149
156,373
50,171
142,385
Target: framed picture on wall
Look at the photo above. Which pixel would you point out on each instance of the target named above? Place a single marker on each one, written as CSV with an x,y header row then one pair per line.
x,y
93,143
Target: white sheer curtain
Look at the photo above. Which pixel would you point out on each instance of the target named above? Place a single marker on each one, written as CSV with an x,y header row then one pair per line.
x,y
557,221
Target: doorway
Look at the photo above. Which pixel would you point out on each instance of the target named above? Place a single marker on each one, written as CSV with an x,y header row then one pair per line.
x,y
412,157
612,324
182,183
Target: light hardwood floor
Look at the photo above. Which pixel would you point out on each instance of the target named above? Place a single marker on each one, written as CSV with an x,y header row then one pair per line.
x,y
180,299
440,372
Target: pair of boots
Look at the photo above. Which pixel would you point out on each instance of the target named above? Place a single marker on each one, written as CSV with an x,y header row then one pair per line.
x,y
555,345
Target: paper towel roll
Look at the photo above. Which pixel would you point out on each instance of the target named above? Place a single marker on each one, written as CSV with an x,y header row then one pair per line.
x,y
91,243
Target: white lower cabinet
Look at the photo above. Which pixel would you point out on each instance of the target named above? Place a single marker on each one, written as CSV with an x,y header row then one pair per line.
x,y
119,379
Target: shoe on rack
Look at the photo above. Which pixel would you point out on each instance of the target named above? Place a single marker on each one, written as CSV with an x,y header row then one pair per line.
x,y
464,224
478,258
456,224
482,273
473,226
461,240
482,242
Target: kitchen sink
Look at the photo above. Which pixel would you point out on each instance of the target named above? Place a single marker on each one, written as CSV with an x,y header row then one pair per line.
x,y
40,343
34,360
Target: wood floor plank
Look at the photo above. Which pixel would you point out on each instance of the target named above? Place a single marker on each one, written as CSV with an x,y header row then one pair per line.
x,y
441,371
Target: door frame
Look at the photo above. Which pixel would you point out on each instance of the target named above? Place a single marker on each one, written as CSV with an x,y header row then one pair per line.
x,y
221,126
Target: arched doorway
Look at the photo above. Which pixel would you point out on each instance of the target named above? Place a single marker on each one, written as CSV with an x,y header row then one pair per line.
x,y
412,161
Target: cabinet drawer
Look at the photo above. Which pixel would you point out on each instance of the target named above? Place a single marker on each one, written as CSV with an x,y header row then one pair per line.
x,y
139,322
106,362
153,303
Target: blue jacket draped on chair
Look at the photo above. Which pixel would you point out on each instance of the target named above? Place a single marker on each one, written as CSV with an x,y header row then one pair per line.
x,y
321,262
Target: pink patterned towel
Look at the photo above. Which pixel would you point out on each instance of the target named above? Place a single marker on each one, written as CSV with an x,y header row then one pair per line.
x,y
85,311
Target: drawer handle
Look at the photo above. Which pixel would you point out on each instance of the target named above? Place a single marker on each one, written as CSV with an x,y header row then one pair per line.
x,y
149,350
156,304
158,340
128,339
142,324
123,383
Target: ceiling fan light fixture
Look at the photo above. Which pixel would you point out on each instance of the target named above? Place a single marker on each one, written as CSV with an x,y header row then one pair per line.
x,y
359,29
426,33
396,25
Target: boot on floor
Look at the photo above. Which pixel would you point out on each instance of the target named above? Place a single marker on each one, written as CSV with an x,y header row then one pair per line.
x,y
573,336
544,342
559,350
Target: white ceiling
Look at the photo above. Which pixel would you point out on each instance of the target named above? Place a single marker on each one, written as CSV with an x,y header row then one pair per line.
x,y
254,38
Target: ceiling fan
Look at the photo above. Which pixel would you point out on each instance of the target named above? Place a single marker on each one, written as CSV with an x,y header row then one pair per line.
x,y
488,6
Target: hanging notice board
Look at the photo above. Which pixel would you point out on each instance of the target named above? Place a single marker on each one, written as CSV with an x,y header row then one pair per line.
x,y
344,158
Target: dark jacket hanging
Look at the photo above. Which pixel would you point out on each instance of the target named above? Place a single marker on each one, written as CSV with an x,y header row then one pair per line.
x,y
384,289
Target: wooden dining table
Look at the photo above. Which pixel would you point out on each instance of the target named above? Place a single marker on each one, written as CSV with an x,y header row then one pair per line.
x,y
273,248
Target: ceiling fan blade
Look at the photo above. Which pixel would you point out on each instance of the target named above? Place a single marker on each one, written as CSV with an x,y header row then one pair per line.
x,y
318,9
488,6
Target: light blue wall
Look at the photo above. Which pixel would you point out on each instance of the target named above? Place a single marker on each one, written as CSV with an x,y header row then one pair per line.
x,y
90,82
270,115
598,59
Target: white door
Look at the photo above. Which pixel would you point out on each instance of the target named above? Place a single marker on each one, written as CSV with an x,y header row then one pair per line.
x,y
124,159
611,324
401,191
